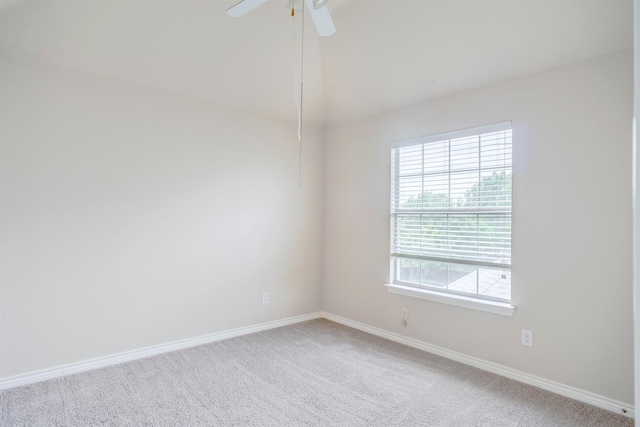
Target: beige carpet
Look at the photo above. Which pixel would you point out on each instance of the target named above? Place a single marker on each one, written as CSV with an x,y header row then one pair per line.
x,y
316,373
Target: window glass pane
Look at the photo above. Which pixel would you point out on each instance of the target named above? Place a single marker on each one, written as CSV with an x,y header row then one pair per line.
x,y
463,231
462,184
495,149
464,154
410,160
408,270
435,274
436,157
455,277
408,195
434,235
489,283
436,191
494,283
463,278
494,190
408,237
494,238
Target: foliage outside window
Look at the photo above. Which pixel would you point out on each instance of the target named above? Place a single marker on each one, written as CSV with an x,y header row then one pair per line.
x,y
451,212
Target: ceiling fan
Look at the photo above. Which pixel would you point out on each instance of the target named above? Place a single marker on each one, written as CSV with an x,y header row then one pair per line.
x,y
317,9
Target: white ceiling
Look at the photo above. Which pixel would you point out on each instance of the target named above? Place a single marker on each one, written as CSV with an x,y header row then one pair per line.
x,y
385,54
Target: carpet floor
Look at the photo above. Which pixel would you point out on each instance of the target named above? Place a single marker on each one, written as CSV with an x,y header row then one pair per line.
x,y
316,373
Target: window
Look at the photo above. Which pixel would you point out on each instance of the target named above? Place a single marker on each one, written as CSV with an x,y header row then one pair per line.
x,y
451,213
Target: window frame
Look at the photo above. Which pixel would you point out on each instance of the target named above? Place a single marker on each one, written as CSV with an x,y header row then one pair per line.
x,y
433,292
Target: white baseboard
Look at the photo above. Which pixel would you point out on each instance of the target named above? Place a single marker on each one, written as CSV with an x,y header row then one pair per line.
x,y
114,359
101,362
555,387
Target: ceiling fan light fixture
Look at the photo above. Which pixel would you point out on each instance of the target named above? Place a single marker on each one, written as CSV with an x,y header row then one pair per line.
x,y
319,4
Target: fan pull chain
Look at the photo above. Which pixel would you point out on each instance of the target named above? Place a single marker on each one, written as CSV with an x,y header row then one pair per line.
x,y
299,86
301,99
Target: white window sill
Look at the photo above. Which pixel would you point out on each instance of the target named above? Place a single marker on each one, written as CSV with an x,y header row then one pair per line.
x,y
503,308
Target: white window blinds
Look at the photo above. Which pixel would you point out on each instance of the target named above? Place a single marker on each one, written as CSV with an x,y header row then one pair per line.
x,y
451,211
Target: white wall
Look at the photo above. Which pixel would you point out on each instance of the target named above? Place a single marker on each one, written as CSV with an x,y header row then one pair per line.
x,y
572,275
131,217
122,226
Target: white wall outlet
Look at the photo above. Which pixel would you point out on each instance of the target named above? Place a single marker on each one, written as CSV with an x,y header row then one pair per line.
x,y
265,297
405,315
527,338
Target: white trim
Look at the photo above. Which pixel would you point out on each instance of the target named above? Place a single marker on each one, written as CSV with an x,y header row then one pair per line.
x,y
496,307
444,136
101,362
543,383
127,356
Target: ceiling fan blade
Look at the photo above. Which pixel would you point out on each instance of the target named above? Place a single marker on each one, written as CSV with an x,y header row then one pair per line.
x,y
245,6
321,18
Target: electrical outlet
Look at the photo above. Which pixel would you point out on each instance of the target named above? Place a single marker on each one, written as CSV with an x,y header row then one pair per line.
x,y
265,297
405,315
527,338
